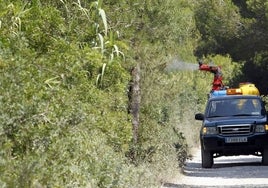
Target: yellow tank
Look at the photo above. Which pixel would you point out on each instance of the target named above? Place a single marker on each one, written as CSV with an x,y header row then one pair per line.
x,y
248,88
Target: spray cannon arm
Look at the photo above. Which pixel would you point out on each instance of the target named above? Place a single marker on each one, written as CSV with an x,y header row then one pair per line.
x,y
209,68
216,70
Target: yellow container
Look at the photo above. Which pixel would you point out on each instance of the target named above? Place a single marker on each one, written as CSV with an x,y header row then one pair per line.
x,y
248,88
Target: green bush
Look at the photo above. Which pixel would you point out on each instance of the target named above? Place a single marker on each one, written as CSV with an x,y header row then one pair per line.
x,y
64,92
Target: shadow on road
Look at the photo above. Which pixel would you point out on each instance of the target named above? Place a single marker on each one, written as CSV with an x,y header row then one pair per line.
x,y
237,171
228,167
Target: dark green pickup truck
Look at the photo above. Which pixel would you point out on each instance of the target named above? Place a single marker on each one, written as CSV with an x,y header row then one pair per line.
x,y
233,125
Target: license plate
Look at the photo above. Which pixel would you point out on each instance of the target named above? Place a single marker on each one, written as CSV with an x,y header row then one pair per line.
x,y
236,139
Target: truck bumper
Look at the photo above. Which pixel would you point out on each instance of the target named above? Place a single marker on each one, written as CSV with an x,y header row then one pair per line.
x,y
218,144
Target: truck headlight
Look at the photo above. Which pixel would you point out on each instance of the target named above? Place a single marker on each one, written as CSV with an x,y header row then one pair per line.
x,y
260,129
210,130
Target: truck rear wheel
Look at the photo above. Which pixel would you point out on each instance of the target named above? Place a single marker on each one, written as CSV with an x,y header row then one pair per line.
x,y
207,158
265,157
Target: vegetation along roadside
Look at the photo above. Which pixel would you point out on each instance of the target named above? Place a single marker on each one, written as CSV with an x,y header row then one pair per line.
x,y
102,93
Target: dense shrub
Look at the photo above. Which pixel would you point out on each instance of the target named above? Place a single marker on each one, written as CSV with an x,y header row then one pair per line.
x,y
65,73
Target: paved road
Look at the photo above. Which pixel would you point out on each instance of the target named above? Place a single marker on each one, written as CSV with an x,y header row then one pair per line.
x,y
234,172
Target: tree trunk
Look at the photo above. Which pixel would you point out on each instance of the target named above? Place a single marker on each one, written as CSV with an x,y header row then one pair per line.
x,y
134,101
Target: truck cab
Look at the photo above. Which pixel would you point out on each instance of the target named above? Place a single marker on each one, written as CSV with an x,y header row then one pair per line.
x,y
233,125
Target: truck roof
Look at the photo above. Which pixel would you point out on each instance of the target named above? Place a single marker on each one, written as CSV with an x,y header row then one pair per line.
x,y
235,97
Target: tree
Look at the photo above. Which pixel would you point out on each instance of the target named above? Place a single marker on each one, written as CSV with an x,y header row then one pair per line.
x,y
219,23
245,38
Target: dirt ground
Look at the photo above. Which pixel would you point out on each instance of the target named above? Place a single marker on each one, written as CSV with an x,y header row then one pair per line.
x,y
236,172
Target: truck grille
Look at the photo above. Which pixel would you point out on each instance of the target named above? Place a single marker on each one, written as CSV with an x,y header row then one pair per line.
x,y
240,129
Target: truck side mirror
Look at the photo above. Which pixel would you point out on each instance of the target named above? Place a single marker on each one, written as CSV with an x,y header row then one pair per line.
x,y
199,116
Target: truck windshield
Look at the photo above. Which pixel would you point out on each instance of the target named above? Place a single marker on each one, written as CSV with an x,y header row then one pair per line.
x,y
235,107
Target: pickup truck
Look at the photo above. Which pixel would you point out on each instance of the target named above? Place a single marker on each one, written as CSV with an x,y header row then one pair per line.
x,y
233,125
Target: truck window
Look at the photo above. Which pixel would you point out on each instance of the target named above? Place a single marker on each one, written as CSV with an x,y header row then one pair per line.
x,y
234,107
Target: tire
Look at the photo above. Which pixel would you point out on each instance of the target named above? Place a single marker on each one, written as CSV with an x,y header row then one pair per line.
x,y
207,158
265,157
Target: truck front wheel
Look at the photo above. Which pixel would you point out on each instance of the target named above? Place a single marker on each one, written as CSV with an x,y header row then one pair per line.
x,y
265,157
207,158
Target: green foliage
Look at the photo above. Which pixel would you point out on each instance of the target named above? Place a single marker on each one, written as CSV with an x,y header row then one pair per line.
x,y
64,106
257,71
218,22
237,28
65,69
